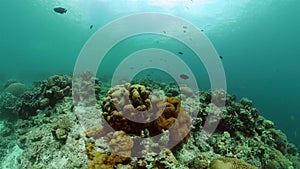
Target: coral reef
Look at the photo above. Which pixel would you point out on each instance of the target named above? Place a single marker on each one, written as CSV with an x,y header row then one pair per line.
x,y
45,94
62,128
53,133
8,108
128,107
171,116
17,89
52,142
230,163
102,160
121,114
56,88
164,160
86,89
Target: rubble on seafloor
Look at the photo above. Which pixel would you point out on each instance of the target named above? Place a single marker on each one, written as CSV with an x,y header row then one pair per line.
x,y
48,127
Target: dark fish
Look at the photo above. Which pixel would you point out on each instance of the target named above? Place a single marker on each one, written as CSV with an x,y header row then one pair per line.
x,y
180,53
184,76
60,10
221,57
91,26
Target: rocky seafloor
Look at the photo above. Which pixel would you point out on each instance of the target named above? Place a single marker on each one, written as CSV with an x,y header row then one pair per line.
x,y
55,123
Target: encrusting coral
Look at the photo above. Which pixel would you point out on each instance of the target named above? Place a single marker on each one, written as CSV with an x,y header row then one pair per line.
x,y
230,163
102,160
120,143
45,94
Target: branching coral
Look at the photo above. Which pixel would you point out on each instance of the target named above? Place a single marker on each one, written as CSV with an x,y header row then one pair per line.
x,y
45,94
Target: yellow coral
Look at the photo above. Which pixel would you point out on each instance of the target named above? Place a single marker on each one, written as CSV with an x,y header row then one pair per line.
x,y
230,163
104,161
120,143
140,114
95,132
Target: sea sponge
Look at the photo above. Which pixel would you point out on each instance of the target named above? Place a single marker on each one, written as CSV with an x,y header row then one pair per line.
x,y
230,163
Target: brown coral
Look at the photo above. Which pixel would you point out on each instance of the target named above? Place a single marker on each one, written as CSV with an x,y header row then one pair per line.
x,y
95,132
230,163
125,108
120,143
128,107
172,117
104,161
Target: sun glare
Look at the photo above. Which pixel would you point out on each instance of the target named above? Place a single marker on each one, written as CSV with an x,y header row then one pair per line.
x,y
164,3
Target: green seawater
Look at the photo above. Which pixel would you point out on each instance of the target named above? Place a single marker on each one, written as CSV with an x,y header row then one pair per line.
x,y
258,40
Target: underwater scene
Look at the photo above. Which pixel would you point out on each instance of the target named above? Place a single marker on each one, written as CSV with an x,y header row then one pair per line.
x,y
149,84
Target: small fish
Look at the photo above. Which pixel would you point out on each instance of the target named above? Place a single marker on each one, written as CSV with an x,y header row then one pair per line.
x,y
91,26
221,57
184,76
184,27
180,53
60,10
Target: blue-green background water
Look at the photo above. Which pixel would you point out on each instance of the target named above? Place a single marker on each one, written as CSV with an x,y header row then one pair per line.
x,y
259,42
